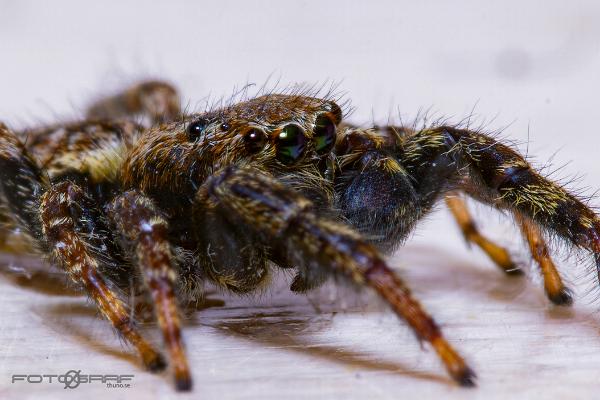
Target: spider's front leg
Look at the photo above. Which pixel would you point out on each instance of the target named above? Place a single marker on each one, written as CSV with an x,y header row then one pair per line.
x,y
286,220
145,232
68,228
62,222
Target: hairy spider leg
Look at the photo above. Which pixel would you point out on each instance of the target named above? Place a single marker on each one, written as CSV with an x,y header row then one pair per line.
x,y
157,100
286,219
146,231
499,255
498,175
443,159
58,219
555,289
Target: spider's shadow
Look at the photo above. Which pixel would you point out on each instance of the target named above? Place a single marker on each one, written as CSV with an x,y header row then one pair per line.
x,y
286,329
30,273
75,319
441,271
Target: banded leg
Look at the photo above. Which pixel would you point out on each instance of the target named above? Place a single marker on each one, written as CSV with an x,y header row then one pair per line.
x,y
69,229
497,254
143,226
59,221
156,100
555,289
285,219
494,173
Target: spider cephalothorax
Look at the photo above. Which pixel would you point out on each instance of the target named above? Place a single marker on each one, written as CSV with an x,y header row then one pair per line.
x,y
280,133
274,181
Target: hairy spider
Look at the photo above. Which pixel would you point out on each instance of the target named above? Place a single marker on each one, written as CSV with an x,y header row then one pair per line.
x,y
274,181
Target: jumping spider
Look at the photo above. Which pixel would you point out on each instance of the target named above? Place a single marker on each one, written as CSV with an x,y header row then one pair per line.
x,y
276,180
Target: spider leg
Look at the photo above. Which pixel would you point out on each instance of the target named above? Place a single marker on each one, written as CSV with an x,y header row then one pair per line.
x,y
59,208
283,218
58,220
499,255
503,177
142,225
495,173
155,100
445,159
22,183
555,289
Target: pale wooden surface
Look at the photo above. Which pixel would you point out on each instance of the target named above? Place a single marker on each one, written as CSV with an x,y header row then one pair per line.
x,y
280,346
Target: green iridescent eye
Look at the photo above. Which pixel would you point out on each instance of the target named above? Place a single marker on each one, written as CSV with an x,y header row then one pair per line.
x,y
324,134
291,143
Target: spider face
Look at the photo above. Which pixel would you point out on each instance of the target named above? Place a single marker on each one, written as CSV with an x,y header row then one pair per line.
x,y
281,132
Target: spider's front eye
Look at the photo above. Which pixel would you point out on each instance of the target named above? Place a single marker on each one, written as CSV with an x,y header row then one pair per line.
x,y
291,143
324,134
196,128
255,140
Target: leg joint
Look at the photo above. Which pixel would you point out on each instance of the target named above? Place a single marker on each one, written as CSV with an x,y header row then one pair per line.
x,y
511,177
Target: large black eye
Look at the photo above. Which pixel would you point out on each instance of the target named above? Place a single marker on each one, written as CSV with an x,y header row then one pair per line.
x,y
324,134
255,140
196,128
290,144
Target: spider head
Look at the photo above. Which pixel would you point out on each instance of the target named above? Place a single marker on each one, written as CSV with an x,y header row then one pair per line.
x,y
279,132
274,129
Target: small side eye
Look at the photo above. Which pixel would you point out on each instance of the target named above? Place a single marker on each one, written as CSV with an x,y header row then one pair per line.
x,y
335,112
196,128
324,134
291,143
255,140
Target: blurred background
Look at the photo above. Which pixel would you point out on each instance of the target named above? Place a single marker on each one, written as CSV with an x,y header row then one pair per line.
x,y
529,68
